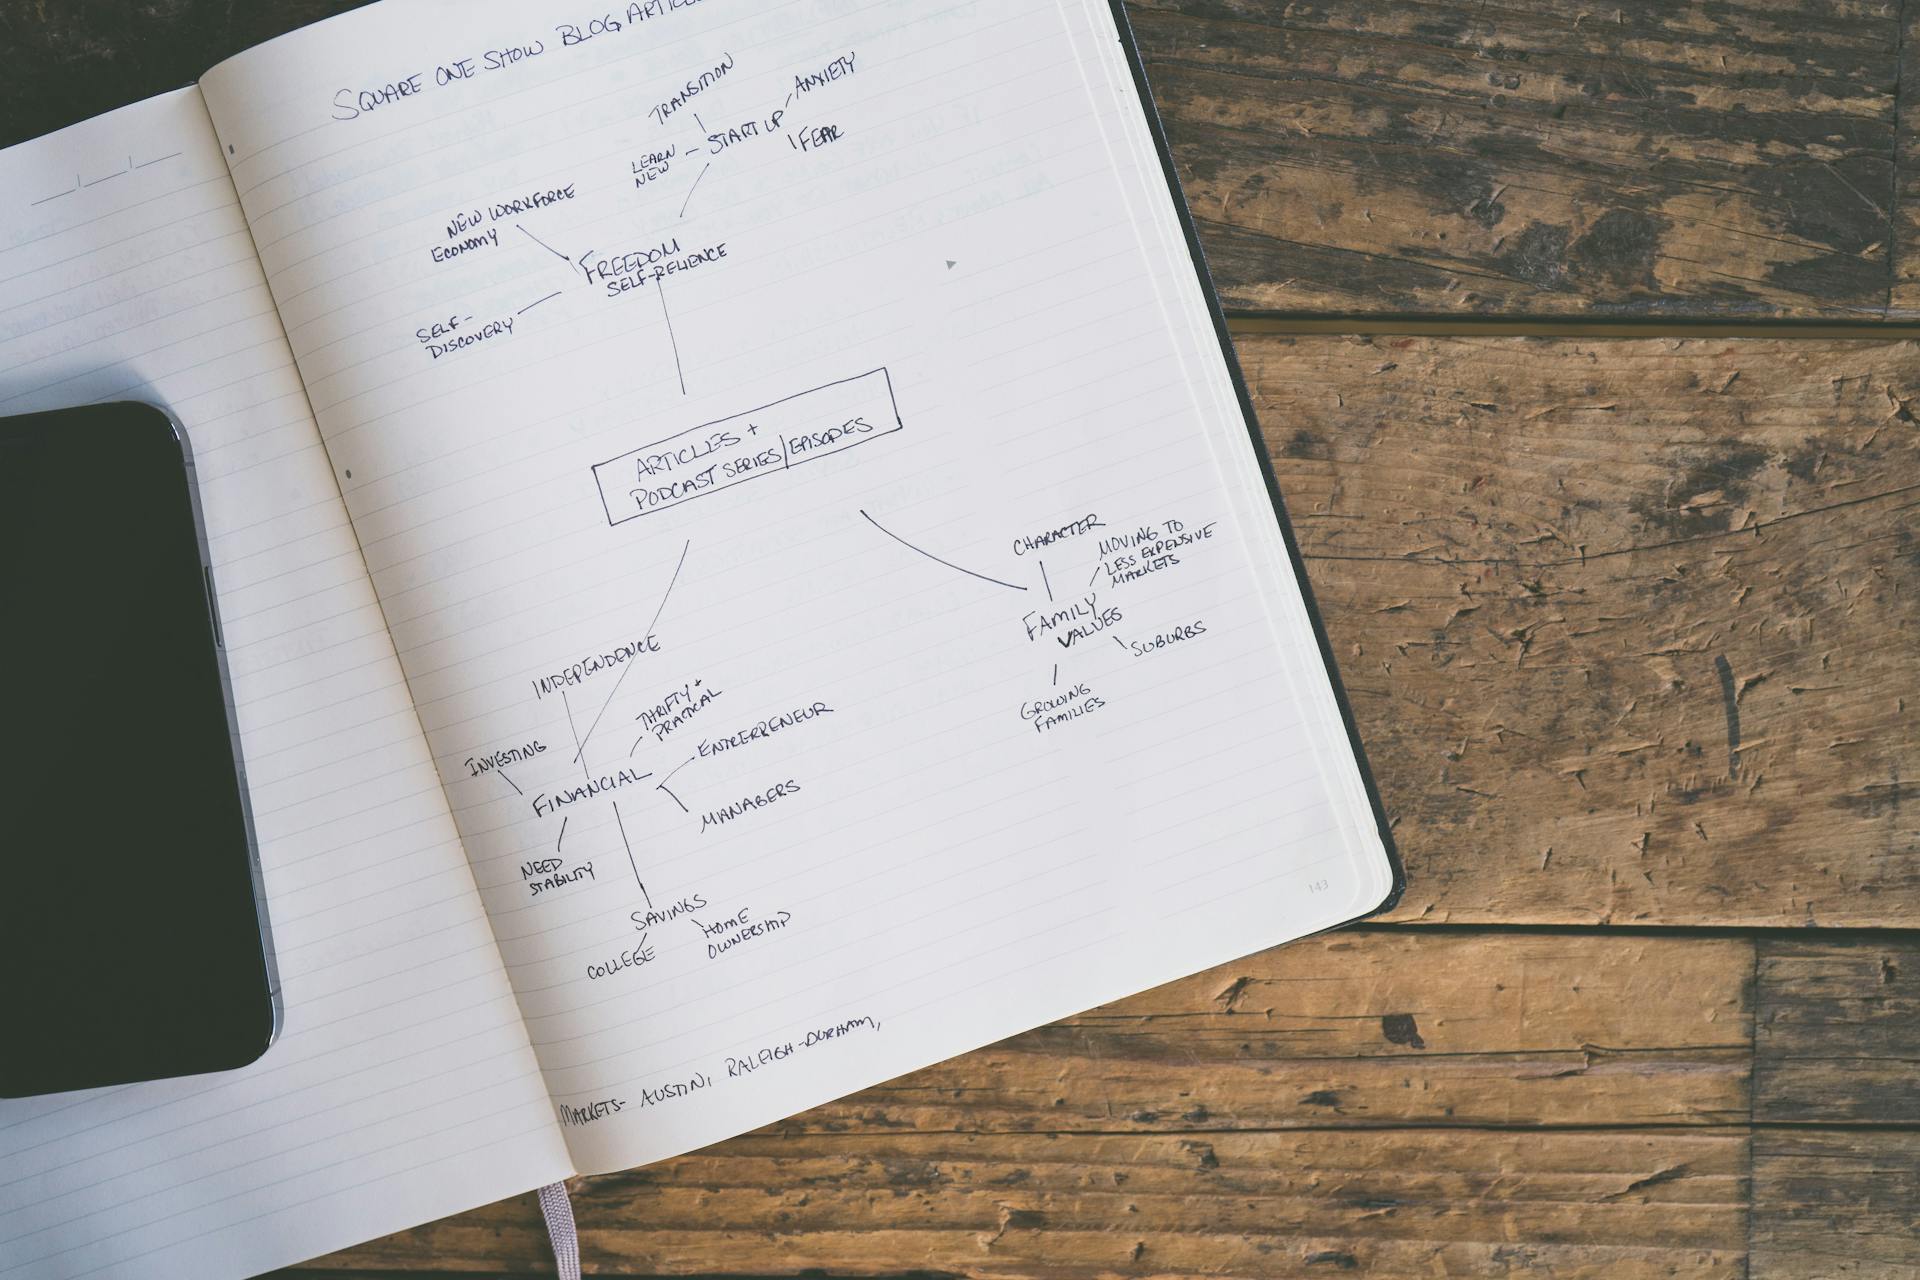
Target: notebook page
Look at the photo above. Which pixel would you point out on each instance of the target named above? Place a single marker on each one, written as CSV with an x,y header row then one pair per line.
x,y
402,1087
832,605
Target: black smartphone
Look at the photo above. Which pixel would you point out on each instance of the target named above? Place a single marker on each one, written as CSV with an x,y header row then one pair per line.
x,y
133,927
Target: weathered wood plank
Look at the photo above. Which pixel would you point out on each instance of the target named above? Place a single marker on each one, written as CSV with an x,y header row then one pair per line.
x,y
1300,1204
1627,625
1451,156
1837,1032
1236,1122
1367,1029
1833,1204
1906,277
1432,156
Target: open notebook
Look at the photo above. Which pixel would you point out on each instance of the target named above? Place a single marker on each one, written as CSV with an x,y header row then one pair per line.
x,y
745,572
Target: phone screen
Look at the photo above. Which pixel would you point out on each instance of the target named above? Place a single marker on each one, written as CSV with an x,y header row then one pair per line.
x,y
132,937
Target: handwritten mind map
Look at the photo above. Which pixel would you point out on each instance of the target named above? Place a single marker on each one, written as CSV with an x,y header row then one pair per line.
x,y
657,764
768,122
734,711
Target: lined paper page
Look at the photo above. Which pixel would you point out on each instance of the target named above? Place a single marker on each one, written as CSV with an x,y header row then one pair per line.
x,y
403,1087
835,589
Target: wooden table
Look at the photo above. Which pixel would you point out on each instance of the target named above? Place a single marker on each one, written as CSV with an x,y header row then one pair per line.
x,y
1628,610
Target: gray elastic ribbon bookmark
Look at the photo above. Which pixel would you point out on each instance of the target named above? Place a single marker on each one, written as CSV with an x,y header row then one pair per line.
x,y
558,1211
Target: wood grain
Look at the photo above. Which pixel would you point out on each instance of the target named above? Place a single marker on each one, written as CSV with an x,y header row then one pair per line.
x,y
1426,157
1831,1204
1449,156
1366,1029
887,1185
1837,1033
1478,1204
1627,625
1236,1123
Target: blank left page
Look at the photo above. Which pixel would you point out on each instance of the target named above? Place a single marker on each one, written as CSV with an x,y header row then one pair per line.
x,y
403,1087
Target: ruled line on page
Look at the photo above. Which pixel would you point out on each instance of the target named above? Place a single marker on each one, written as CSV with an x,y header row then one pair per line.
x,y
177,1151
182,1150
214,183
351,1063
477,686
142,264
513,1139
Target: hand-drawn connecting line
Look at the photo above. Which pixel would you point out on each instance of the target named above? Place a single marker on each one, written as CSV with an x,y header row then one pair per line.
x,y
1013,586
81,184
1046,583
550,249
582,740
768,124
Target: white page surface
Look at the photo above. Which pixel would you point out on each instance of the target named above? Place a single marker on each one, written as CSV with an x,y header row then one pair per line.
x,y
852,645
403,1087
